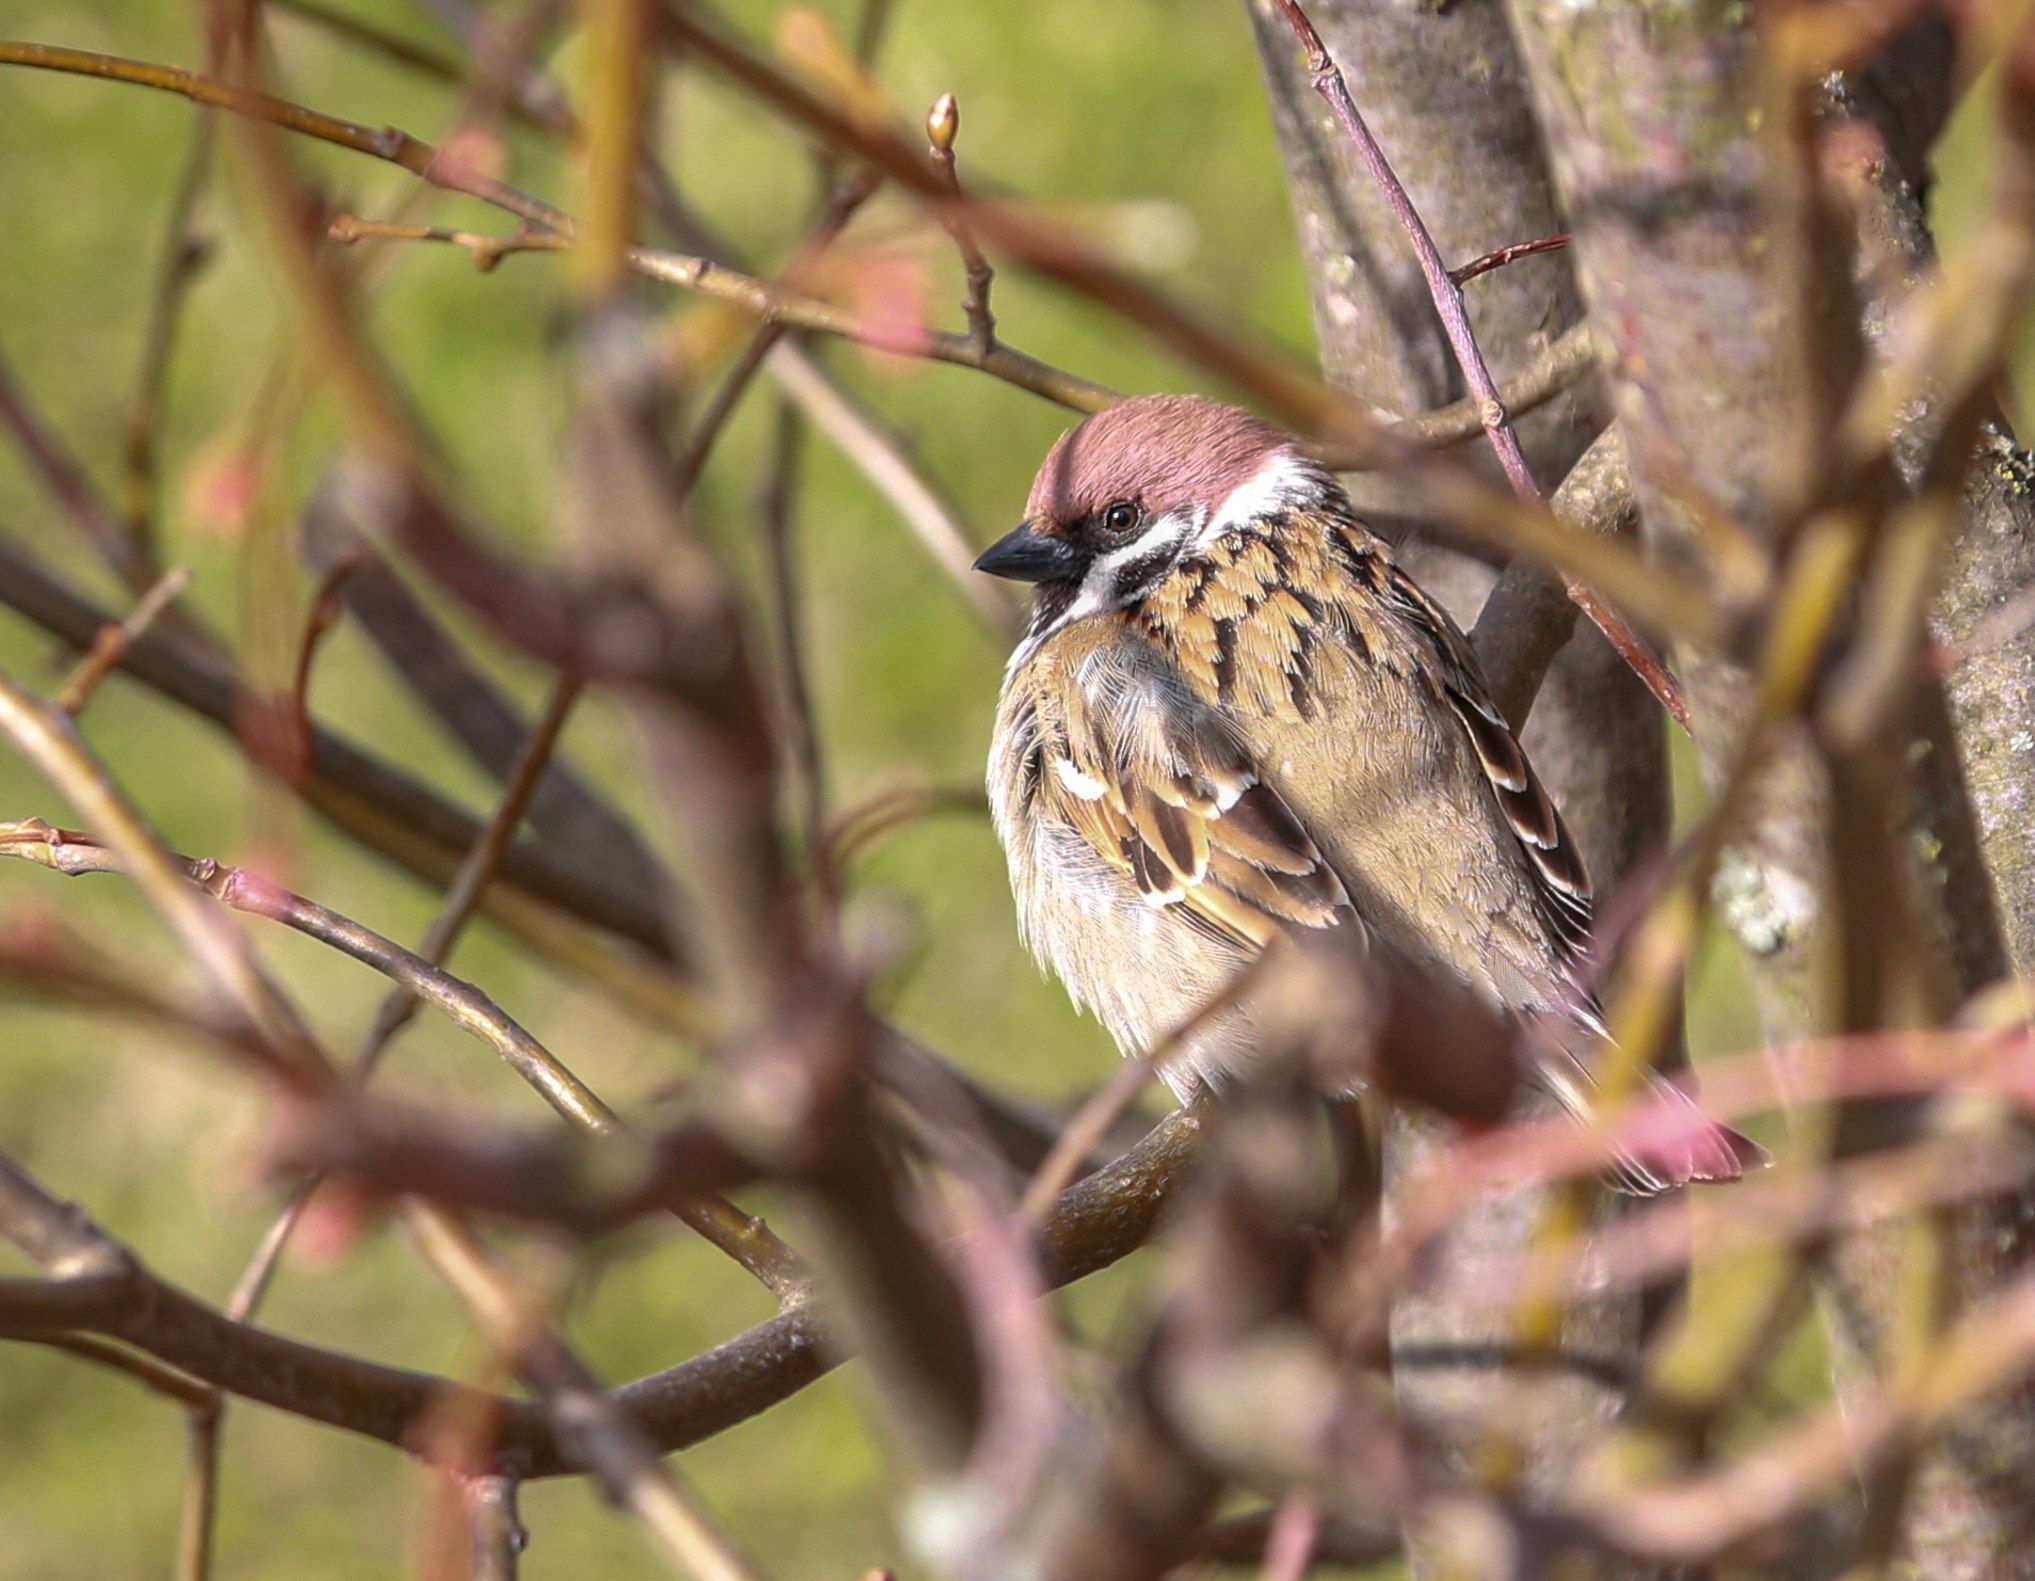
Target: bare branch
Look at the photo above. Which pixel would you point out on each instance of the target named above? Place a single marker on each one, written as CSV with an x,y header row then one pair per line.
x,y
1097,1222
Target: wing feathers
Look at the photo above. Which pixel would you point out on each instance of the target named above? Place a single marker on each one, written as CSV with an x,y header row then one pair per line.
x,y
1562,888
1155,782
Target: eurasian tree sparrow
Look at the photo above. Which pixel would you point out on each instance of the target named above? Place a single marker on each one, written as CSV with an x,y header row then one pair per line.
x,y
1233,717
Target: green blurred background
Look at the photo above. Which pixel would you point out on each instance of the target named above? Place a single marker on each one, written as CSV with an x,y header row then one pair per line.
x,y
1146,118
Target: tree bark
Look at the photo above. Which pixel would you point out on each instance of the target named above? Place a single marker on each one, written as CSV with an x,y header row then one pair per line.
x,y
1653,109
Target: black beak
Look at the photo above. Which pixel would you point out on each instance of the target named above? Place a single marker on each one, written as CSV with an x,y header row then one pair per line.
x,y
1029,556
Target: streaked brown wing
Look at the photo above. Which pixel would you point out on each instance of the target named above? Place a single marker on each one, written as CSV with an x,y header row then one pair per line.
x,y
1158,785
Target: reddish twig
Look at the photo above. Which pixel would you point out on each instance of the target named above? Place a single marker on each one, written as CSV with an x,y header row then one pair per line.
x,y
1464,273
1289,1543
325,610
1455,321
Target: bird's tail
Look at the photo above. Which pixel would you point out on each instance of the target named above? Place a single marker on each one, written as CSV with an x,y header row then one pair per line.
x,y
1679,1144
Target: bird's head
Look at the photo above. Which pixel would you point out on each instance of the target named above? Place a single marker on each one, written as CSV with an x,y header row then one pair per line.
x,y
1128,494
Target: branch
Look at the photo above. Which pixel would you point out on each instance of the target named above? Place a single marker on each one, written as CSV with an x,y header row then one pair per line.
x,y
114,640
1568,359
362,795
611,1446
943,123
742,1236
1527,619
1562,365
565,813
1462,274
66,482
1095,1224
872,445
552,229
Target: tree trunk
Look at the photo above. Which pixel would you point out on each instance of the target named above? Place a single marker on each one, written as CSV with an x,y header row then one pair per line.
x,y
1653,110
1445,92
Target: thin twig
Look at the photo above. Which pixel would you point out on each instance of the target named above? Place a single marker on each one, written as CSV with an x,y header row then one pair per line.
x,y
319,619
835,213
363,795
943,123
553,227
883,459
1572,355
852,830
475,872
113,641
1095,1224
46,737
872,445
65,479
762,300
1089,1124
613,1447
778,511
565,813
73,854
183,254
145,1370
1289,391
1462,274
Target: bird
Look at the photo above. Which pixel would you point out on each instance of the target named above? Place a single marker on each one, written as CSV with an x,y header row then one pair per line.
x,y
1233,718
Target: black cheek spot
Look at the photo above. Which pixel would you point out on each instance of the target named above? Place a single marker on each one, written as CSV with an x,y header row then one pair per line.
x,y
1136,579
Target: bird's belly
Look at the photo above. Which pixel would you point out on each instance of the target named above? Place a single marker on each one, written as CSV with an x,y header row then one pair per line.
x,y
1142,969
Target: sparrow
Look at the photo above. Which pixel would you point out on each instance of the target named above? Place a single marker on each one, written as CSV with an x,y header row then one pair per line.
x,y
1233,718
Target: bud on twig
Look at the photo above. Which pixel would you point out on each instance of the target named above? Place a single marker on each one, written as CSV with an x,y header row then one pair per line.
x,y
943,120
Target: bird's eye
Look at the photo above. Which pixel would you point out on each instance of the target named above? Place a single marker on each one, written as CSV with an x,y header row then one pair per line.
x,y
1122,516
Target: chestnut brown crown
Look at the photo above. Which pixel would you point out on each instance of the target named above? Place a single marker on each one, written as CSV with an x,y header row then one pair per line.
x,y
1164,452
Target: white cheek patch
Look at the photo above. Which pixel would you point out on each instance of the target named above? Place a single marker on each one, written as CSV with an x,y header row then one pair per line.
x,y
1162,540
1285,478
